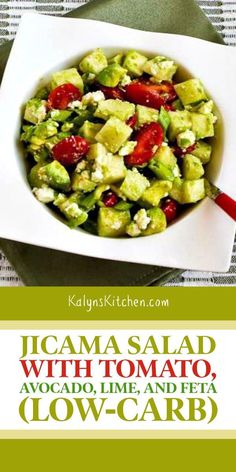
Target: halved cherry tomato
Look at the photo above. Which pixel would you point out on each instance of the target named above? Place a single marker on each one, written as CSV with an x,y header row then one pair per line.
x,y
167,91
170,208
151,95
113,92
148,138
70,150
62,95
110,199
178,152
132,121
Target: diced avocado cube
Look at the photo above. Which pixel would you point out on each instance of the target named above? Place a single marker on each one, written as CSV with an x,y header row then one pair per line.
x,y
60,115
158,189
134,62
97,152
75,215
190,92
45,194
179,121
206,107
45,130
66,76
110,171
89,130
161,171
176,191
40,155
186,139
192,167
203,125
160,68
146,115
133,230
114,134
112,223
118,108
111,75
34,178
36,142
158,222
203,151
134,185
165,155
106,167
55,175
88,201
94,62
113,169
117,59
35,110
28,131
82,182
193,191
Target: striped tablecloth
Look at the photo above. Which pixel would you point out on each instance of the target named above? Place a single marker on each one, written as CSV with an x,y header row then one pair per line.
x,y
223,16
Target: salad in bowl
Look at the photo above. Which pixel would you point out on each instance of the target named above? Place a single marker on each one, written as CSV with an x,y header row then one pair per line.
x,y
118,146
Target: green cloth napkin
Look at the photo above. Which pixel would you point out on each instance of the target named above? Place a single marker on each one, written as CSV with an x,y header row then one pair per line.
x,y
45,267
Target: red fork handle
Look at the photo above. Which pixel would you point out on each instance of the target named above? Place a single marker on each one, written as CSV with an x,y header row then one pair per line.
x,y
227,204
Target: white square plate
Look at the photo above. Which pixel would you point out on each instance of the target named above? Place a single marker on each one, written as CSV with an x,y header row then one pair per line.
x,y
200,240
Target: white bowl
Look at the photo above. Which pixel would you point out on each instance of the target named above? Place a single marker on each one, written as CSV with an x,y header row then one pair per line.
x,y
203,238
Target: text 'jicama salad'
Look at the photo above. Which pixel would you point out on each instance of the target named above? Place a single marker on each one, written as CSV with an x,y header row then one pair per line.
x,y
116,146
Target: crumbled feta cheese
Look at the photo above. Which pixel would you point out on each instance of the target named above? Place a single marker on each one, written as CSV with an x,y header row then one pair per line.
x,y
142,219
93,97
116,225
127,148
164,144
97,176
126,80
44,194
75,104
73,210
102,158
80,166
